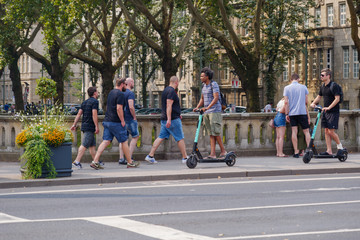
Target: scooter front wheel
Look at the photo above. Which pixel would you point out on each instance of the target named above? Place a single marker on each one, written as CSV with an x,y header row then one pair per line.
x,y
231,160
191,162
343,157
307,157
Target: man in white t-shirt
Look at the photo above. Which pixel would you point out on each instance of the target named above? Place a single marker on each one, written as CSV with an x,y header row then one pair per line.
x,y
296,100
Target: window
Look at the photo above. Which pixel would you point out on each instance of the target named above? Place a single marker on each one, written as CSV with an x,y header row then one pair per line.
x,y
318,17
329,58
356,63
330,16
321,59
156,101
314,65
342,8
286,72
346,60
183,100
292,65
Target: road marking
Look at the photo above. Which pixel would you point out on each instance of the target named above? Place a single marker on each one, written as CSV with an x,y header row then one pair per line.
x,y
194,211
320,190
5,218
146,229
294,234
179,185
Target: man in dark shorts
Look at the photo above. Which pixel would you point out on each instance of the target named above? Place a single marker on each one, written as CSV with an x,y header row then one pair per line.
x,y
296,100
331,111
114,125
170,121
89,110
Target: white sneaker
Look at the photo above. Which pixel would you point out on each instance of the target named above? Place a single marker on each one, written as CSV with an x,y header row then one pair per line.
x,y
150,159
184,159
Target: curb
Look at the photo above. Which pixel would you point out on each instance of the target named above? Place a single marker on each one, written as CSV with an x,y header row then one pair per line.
x,y
169,177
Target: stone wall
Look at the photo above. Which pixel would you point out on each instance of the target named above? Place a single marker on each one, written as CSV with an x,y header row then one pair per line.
x,y
246,134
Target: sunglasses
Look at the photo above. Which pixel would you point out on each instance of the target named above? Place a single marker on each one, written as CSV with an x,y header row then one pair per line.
x,y
322,75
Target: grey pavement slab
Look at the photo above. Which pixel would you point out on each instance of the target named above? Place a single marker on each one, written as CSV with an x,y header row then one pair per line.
x,y
10,176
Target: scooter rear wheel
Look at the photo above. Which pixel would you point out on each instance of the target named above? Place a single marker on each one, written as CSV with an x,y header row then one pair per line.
x,y
231,160
191,162
307,157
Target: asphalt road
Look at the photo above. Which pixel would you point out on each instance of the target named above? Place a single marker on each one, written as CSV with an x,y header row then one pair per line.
x,y
289,207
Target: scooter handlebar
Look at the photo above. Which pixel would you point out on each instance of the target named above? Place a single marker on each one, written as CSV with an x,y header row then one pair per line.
x,y
318,108
199,111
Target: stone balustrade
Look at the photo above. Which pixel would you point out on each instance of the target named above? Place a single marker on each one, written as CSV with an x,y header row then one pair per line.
x,y
246,134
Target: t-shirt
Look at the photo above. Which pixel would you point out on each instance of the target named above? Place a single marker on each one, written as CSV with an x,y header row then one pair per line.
x,y
208,95
129,95
296,94
329,97
169,93
115,97
87,106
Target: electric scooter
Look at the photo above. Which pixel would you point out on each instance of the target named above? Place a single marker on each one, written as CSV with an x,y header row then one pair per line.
x,y
311,151
196,156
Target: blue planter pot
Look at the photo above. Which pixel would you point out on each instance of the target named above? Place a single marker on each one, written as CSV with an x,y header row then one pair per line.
x,y
62,159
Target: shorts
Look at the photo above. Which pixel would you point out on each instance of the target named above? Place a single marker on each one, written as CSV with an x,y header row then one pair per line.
x,y
212,124
132,128
280,120
88,139
300,119
114,129
175,130
330,120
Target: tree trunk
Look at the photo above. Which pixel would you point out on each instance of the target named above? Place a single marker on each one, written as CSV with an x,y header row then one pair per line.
x,y
15,79
252,92
107,75
56,73
269,81
169,67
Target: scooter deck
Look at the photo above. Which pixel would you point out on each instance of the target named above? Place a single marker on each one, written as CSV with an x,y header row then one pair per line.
x,y
212,160
326,156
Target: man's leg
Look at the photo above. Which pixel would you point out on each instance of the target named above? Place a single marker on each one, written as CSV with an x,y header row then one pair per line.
x,y
125,149
294,131
101,149
80,154
307,136
155,146
92,151
133,143
182,147
121,153
212,146
221,145
328,141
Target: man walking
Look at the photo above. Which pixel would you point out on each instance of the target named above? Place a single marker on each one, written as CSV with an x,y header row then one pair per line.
x,y
212,111
89,109
130,119
114,125
296,100
170,121
331,111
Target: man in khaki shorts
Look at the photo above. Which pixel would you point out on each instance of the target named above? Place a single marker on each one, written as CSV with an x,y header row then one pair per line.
x,y
210,99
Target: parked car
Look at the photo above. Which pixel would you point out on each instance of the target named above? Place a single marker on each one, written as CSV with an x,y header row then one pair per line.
x,y
153,111
141,111
72,108
186,110
238,109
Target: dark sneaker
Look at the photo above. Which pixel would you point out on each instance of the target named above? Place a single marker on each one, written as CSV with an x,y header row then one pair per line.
x,y
296,155
77,165
340,152
122,161
133,164
96,166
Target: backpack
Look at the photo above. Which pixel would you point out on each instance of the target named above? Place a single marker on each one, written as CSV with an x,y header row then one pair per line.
x,y
333,84
222,98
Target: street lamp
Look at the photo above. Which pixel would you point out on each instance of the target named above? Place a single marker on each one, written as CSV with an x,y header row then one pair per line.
x,y
306,33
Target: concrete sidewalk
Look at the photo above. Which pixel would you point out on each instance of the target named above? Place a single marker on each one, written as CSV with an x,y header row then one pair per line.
x,y
10,176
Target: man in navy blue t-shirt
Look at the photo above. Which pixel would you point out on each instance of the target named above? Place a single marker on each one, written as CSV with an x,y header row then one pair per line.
x,y
170,121
89,126
130,119
114,125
